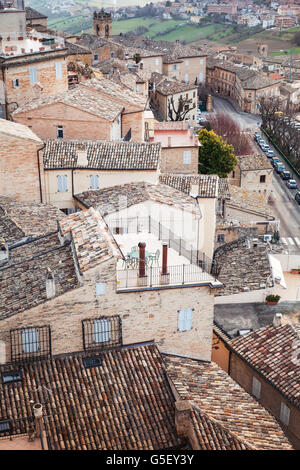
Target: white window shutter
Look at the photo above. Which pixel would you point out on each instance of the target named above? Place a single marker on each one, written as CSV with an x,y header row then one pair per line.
x,y
59,183
58,67
101,330
100,288
65,182
256,387
181,320
187,157
32,75
30,340
185,319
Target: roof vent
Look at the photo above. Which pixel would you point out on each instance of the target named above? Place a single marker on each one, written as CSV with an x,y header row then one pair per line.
x,y
277,319
92,361
82,159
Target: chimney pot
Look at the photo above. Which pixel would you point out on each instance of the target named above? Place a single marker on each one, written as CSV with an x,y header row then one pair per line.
x,y
169,141
277,319
142,263
165,259
38,410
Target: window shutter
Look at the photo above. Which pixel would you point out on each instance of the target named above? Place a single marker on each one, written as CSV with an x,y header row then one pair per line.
x,y
65,183
101,331
30,340
185,319
285,414
59,183
58,67
181,318
100,288
256,386
32,75
187,157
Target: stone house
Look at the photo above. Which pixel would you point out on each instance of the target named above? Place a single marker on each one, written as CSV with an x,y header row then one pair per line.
x,y
72,167
80,268
253,173
179,147
32,66
21,170
95,109
35,19
97,46
166,95
264,362
185,64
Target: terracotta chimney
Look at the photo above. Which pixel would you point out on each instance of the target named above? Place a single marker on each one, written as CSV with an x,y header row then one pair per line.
x,y
38,413
142,264
165,259
169,141
183,410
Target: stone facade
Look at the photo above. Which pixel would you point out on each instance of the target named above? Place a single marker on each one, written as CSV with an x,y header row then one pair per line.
x,y
173,160
147,315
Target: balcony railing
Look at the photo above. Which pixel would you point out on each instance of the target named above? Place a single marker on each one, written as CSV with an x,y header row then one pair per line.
x,y
181,275
149,225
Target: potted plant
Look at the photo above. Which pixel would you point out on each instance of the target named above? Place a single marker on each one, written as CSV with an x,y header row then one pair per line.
x,y
272,299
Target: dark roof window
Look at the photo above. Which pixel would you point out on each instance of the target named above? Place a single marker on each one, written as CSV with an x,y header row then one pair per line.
x,y
92,361
4,425
11,376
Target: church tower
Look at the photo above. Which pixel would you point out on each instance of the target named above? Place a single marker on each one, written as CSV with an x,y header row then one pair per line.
x,y
102,24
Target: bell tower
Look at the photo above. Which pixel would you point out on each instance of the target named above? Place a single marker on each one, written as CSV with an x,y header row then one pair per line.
x,y
102,24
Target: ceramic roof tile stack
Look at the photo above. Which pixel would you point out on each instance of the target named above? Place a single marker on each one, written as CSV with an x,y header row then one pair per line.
x,y
225,416
124,404
274,353
115,198
93,242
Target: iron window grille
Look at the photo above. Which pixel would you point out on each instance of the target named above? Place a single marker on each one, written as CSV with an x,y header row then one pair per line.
x,y
102,333
32,343
11,376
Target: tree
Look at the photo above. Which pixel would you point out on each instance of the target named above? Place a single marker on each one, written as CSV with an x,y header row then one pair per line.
x,y
297,38
137,58
178,113
215,155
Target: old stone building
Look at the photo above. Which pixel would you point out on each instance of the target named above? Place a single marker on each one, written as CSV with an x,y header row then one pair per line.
x,y
98,47
264,362
35,19
102,24
21,169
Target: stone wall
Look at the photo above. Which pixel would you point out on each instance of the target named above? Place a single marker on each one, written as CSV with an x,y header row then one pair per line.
x,y
172,160
145,315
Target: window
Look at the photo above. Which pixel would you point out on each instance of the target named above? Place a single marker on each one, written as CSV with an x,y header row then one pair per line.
x,y
221,238
156,61
62,183
100,288
102,332
201,77
186,62
60,132
95,57
201,61
256,387
186,78
187,157
285,414
16,83
58,68
32,75
185,319
174,67
233,174
94,181
262,178
30,343
4,425
11,376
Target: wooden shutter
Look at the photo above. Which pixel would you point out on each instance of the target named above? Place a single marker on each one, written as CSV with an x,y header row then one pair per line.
x,y
185,319
30,341
101,330
256,386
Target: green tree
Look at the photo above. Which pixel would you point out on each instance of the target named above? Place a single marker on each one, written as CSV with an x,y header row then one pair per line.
x,y
216,157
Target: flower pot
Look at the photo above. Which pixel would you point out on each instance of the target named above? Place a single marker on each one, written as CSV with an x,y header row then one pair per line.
x,y
271,303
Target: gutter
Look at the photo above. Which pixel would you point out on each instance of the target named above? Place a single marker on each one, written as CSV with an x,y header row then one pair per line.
x,y
39,170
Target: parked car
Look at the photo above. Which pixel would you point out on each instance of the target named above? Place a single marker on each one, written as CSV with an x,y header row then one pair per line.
x,y
266,148
292,184
285,175
270,154
256,136
274,161
297,197
200,119
279,167
262,143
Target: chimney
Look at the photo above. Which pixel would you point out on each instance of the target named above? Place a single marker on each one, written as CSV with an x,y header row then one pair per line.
x,y
82,159
183,410
277,319
38,414
165,259
50,284
169,141
142,264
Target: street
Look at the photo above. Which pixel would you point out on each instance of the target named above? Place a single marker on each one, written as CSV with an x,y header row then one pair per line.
x,y
282,201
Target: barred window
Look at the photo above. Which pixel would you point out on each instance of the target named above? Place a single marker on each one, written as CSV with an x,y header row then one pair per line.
x,y
30,343
102,333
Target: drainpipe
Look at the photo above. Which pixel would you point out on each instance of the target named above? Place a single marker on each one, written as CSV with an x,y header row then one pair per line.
x,y
72,182
39,170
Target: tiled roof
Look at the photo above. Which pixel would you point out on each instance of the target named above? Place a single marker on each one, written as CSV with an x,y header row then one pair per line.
x,y
32,14
23,278
79,97
116,92
254,162
166,86
102,155
91,41
124,404
274,353
21,219
226,417
208,185
18,131
252,201
115,198
92,240
76,49
242,266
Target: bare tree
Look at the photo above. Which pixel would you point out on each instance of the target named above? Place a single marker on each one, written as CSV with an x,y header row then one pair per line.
x,y
231,132
178,113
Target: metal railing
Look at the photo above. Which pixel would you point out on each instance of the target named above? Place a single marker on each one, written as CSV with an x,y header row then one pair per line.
x,y
150,225
185,274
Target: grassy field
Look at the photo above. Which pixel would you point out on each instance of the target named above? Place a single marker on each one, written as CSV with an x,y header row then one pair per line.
x,y
294,50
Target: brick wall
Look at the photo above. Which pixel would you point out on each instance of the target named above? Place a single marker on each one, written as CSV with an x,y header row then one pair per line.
x,y
270,398
172,160
47,82
145,315
135,122
19,177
